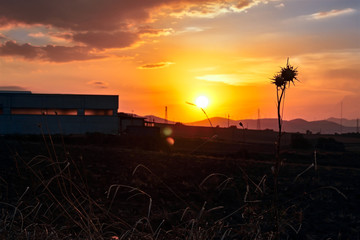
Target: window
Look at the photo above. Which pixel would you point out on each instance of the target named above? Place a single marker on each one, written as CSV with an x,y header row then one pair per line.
x,y
65,112
26,111
98,112
37,111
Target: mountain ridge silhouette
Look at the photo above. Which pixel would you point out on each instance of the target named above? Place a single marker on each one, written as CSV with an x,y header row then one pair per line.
x,y
326,126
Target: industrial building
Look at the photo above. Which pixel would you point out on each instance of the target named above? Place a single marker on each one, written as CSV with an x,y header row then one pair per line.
x,y
128,120
28,113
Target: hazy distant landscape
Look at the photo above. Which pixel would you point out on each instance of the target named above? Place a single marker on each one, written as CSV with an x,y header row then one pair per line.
x,y
327,126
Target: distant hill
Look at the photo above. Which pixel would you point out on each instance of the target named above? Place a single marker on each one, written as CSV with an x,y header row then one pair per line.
x,y
344,121
216,121
267,123
328,126
323,126
296,125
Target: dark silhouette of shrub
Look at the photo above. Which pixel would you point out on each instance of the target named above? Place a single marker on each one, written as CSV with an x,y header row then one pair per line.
x,y
330,144
299,142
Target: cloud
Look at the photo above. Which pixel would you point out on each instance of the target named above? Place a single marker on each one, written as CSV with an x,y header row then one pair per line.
x,y
25,50
103,40
65,54
37,35
111,15
332,13
149,31
98,84
85,26
191,30
244,4
2,37
156,65
49,53
75,15
231,79
235,79
211,9
12,88
61,38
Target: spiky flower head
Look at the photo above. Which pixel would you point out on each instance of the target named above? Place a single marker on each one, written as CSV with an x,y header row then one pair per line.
x,y
289,73
286,76
278,80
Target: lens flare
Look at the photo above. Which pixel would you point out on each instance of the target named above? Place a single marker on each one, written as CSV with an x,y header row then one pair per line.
x,y
170,141
167,131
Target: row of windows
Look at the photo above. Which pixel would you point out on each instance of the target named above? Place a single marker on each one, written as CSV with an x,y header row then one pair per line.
x,y
66,112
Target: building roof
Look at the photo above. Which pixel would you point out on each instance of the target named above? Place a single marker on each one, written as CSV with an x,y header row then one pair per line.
x,y
31,100
129,115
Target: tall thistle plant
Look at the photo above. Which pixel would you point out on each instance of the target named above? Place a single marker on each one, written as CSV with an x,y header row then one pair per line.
x,y
282,80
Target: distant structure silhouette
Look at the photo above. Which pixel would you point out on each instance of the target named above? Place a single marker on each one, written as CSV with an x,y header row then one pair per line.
x,y
258,126
341,117
166,115
357,125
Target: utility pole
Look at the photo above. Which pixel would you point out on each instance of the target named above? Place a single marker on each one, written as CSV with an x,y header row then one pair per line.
x,y
228,120
341,113
258,120
166,115
357,125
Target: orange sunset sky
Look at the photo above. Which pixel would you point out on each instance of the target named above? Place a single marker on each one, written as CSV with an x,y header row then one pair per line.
x,y
157,53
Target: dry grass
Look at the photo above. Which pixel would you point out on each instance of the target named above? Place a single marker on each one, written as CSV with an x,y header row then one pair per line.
x,y
132,194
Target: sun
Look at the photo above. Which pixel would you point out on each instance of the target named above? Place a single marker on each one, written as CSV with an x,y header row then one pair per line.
x,y
202,102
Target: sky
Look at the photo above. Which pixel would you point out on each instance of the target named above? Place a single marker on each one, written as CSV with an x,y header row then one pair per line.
x,y
157,53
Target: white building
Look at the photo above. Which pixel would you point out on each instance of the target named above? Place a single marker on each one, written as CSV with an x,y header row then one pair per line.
x,y
28,113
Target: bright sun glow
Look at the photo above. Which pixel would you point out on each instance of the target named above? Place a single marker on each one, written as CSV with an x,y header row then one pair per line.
x,y
202,102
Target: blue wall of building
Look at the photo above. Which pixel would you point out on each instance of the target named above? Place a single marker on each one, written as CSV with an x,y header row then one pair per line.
x,y
27,113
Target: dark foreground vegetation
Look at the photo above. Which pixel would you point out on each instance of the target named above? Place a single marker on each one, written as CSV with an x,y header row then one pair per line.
x,y
112,187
